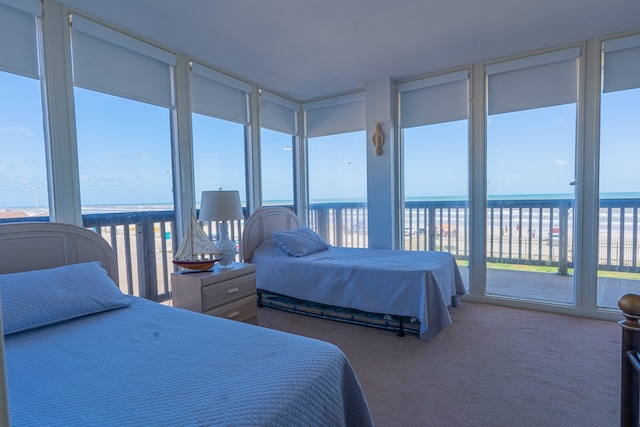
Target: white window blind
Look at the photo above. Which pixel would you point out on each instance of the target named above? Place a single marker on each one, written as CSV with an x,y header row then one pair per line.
x,y
336,115
111,62
621,64
18,37
219,95
433,100
278,113
533,82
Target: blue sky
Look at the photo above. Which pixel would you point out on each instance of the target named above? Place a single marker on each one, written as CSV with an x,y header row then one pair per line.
x,y
125,155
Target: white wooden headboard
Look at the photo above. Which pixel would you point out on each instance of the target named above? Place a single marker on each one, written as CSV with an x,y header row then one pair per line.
x,y
38,245
259,226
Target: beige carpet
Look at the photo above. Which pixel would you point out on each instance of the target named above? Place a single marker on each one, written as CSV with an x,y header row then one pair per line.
x,y
494,366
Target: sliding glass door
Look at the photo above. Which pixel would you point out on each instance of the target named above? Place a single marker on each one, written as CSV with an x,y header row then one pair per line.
x,y
531,137
618,243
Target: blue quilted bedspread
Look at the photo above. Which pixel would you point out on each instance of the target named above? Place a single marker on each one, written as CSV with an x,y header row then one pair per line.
x,y
404,283
152,365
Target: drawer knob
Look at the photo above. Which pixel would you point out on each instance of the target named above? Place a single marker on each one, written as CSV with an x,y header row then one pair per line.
x,y
233,314
232,290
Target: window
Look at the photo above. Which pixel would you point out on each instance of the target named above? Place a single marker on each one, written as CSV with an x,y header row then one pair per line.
x,y
124,103
218,155
434,122
276,153
337,169
278,131
618,236
338,184
124,154
220,119
531,137
23,171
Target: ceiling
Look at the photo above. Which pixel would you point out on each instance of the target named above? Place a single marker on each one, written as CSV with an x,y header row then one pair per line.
x,y
307,49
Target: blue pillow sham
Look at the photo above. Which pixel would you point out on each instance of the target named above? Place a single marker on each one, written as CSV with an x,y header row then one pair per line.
x,y
37,298
300,241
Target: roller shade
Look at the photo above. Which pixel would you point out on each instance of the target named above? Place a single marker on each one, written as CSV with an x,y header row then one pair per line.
x,y
278,113
533,82
433,100
621,64
331,116
111,62
18,37
219,95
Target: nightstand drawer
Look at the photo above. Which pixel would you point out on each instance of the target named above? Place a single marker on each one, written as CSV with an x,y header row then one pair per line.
x,y
230,290
241,310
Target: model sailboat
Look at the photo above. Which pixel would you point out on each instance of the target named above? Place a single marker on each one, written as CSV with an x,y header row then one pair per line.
x,y
196,251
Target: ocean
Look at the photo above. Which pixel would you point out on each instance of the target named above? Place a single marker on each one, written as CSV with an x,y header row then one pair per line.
x,y
107,208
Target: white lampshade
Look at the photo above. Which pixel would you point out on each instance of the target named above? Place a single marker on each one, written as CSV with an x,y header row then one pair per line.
x,y
220,206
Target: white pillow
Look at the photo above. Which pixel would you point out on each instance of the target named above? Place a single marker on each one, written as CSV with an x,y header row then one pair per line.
x,y
300,241
37,298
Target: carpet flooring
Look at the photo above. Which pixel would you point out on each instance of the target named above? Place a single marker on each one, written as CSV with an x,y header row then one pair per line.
x,y
494,366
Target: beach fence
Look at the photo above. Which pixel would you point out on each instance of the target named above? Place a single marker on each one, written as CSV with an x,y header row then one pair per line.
x,y
530,232
144,244
533,232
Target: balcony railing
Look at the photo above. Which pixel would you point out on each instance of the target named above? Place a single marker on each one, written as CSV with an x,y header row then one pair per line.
x,y
143,243
534,232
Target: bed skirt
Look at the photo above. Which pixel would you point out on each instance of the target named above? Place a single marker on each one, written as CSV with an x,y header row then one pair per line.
x,y
399,324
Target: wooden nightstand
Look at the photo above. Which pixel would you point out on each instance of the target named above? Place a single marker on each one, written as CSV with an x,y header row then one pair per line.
x,y
223,292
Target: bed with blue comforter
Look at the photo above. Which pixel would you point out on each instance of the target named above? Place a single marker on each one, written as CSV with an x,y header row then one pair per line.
x,y
297,270
80,353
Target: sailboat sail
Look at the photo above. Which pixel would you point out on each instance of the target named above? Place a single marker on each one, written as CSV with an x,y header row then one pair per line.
x,y
196,243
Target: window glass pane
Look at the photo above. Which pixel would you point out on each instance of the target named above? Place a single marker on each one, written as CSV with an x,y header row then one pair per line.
x,y
530,165
435,164
124,154
618,237
23,172
435,158
338,188
219,155
276,151
124,161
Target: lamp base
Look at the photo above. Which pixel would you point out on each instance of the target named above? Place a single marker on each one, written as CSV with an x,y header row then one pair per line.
x,y
226,247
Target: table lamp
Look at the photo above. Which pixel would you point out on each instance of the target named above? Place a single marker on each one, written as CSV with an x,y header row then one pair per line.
x,y
222,206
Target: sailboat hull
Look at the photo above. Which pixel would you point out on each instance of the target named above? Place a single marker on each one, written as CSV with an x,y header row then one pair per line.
x,y
200,265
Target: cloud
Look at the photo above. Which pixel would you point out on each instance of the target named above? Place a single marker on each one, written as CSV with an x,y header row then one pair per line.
x,y
111,154
21,130
560,162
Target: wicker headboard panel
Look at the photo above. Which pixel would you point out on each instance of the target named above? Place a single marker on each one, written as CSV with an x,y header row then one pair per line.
x,y
38,245
259,226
